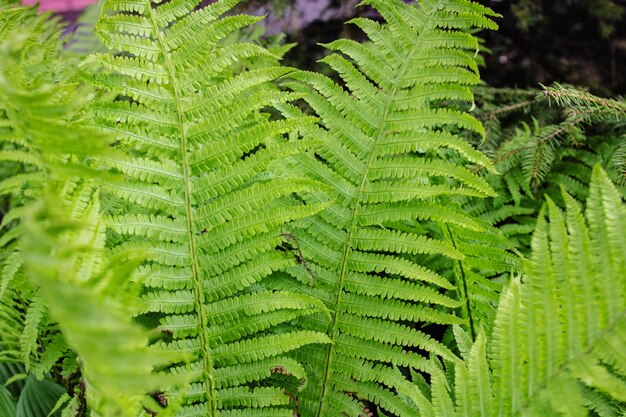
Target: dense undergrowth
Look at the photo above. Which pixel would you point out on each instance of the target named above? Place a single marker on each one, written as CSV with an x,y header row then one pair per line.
x,y
191,229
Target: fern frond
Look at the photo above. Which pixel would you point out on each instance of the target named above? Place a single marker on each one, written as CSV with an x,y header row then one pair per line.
x,y
556,343
35,314
539,160
36,47
489,259
62,243
12,326
590,107
202,200
600,403
88,307
35,92
385,136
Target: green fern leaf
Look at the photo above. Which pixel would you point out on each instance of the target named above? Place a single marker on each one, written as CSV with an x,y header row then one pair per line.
x,y
201,198
556,345
35,314
384,137
37,102
61,242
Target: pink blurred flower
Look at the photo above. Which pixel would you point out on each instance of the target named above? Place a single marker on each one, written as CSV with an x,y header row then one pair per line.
x,y
61,5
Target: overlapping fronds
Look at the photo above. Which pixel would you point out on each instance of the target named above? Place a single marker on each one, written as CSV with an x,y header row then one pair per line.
x,y
36,100
92,300
495,106
557,345
385,137
29,61
275,44
188,242
198,195
62,239
539,147
489,261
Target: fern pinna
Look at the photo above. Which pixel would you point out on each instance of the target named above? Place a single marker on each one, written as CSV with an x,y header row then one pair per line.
x,y
196,194
384,140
